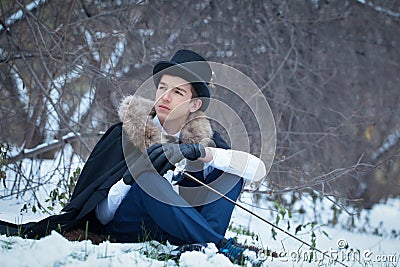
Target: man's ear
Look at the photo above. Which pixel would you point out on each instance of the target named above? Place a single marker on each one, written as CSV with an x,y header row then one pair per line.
x,y
196,104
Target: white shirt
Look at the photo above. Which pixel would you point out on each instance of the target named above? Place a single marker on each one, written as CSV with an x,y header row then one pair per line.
x,y
222,160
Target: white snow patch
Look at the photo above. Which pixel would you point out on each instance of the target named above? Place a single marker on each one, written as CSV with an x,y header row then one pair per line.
x,y
55,250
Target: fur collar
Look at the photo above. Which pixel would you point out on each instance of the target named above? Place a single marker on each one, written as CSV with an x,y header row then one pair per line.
x,y
137,113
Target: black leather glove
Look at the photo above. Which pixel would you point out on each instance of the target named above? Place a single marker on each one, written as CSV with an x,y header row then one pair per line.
x,y
144,163
161,158
167,155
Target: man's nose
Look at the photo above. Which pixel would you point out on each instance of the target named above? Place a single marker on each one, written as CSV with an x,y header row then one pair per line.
x,y
167,96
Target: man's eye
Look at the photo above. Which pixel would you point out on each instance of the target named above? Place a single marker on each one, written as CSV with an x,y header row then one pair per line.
x,y
178,92
162,88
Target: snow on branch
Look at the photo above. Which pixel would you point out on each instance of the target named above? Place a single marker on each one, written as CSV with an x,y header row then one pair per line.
x,y
19,14
380,9
390,142
42,148
56,85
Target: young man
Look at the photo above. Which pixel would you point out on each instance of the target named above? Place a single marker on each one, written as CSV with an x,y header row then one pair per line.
x,y
128,189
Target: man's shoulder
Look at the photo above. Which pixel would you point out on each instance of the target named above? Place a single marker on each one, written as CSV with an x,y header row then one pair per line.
x,y
114,128
219,141
111,133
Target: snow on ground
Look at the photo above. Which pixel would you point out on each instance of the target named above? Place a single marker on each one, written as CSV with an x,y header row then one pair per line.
x,y
55,250
364,249
374,240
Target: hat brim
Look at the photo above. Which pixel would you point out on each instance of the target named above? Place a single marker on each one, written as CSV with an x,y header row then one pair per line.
x,y
176,69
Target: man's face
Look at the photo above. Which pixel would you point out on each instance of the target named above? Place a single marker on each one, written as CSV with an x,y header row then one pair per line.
x,y
173,100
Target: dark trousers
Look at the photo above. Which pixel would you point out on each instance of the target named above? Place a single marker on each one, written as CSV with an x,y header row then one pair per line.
x,y
152,210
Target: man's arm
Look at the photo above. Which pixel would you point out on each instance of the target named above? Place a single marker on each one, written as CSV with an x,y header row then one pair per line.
x,y
236,162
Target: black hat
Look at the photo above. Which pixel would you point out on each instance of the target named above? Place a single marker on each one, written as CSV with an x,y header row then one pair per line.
x,y
190,66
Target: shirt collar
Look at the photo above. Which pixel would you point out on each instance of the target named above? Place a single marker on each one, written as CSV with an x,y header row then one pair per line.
x,y
157,122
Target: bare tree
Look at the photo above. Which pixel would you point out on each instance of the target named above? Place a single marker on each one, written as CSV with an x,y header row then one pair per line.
x,y
329,70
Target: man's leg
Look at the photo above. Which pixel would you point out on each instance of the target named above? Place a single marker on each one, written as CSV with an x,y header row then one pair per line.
x,y
218,211
152,205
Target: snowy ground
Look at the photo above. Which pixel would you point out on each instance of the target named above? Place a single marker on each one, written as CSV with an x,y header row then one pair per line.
x,y
373,241
363,249
368,249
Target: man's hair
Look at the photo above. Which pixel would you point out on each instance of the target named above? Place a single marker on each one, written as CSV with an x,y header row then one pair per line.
x,y
194,92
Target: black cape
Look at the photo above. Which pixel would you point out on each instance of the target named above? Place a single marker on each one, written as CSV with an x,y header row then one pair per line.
x,y
104,167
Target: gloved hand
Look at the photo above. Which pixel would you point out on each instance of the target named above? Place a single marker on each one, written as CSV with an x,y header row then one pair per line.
x,y
161,158
167,155
144,163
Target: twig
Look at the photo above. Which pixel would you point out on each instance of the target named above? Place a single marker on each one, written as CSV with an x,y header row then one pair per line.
x,y
42,148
